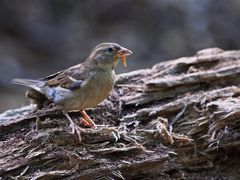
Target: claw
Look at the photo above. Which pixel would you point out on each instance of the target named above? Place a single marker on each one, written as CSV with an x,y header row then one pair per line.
x,y
75,128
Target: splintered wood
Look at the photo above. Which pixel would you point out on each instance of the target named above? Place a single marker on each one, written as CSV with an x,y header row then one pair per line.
x,y
179,119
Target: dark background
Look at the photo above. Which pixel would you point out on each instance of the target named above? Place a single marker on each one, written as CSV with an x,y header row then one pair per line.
x,y
39,37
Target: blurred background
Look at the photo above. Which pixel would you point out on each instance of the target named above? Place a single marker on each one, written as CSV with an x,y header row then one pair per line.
x,y
38,37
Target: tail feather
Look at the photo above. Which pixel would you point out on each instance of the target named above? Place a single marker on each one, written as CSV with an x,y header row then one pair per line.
x,y
34,84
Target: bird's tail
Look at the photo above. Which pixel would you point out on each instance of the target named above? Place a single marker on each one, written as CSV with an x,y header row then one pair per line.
x,y
34,84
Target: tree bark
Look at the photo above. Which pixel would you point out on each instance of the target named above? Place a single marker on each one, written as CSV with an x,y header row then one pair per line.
x,y
179,119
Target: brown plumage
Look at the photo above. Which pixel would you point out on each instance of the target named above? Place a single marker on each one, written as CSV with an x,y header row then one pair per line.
x,y
81,86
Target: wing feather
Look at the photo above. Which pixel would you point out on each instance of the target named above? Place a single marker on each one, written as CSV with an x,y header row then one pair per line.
x,y
71,78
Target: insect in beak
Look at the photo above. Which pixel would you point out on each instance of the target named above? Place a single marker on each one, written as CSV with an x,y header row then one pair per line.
x,y
122,54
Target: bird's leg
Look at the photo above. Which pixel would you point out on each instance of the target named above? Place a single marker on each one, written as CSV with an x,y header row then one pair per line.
x,y
88,121
75,128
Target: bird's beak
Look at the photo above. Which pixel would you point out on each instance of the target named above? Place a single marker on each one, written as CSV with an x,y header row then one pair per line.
x,y
122,53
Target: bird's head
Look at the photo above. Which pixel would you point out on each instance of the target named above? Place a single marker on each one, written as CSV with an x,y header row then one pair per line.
x,y
107,55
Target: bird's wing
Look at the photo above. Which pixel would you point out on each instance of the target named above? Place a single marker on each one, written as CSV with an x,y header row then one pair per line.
x,y
51,76
72,78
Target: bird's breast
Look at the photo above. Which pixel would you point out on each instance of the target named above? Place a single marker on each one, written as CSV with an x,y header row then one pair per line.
x,y
93,92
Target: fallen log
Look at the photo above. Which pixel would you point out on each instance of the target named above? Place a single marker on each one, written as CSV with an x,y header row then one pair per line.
x,y
179,119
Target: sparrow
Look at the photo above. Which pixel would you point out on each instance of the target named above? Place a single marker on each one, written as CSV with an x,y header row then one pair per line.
x,y
79,87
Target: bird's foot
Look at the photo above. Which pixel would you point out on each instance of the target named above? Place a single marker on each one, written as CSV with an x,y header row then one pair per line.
x,y
76,129
87,121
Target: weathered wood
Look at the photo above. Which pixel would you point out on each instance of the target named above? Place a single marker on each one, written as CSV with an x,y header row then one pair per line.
x,y
179,119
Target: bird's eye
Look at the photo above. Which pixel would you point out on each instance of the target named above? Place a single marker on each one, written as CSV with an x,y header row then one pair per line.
x,y
109,49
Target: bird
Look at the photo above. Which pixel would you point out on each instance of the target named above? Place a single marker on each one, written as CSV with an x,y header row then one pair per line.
x,y
79,87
